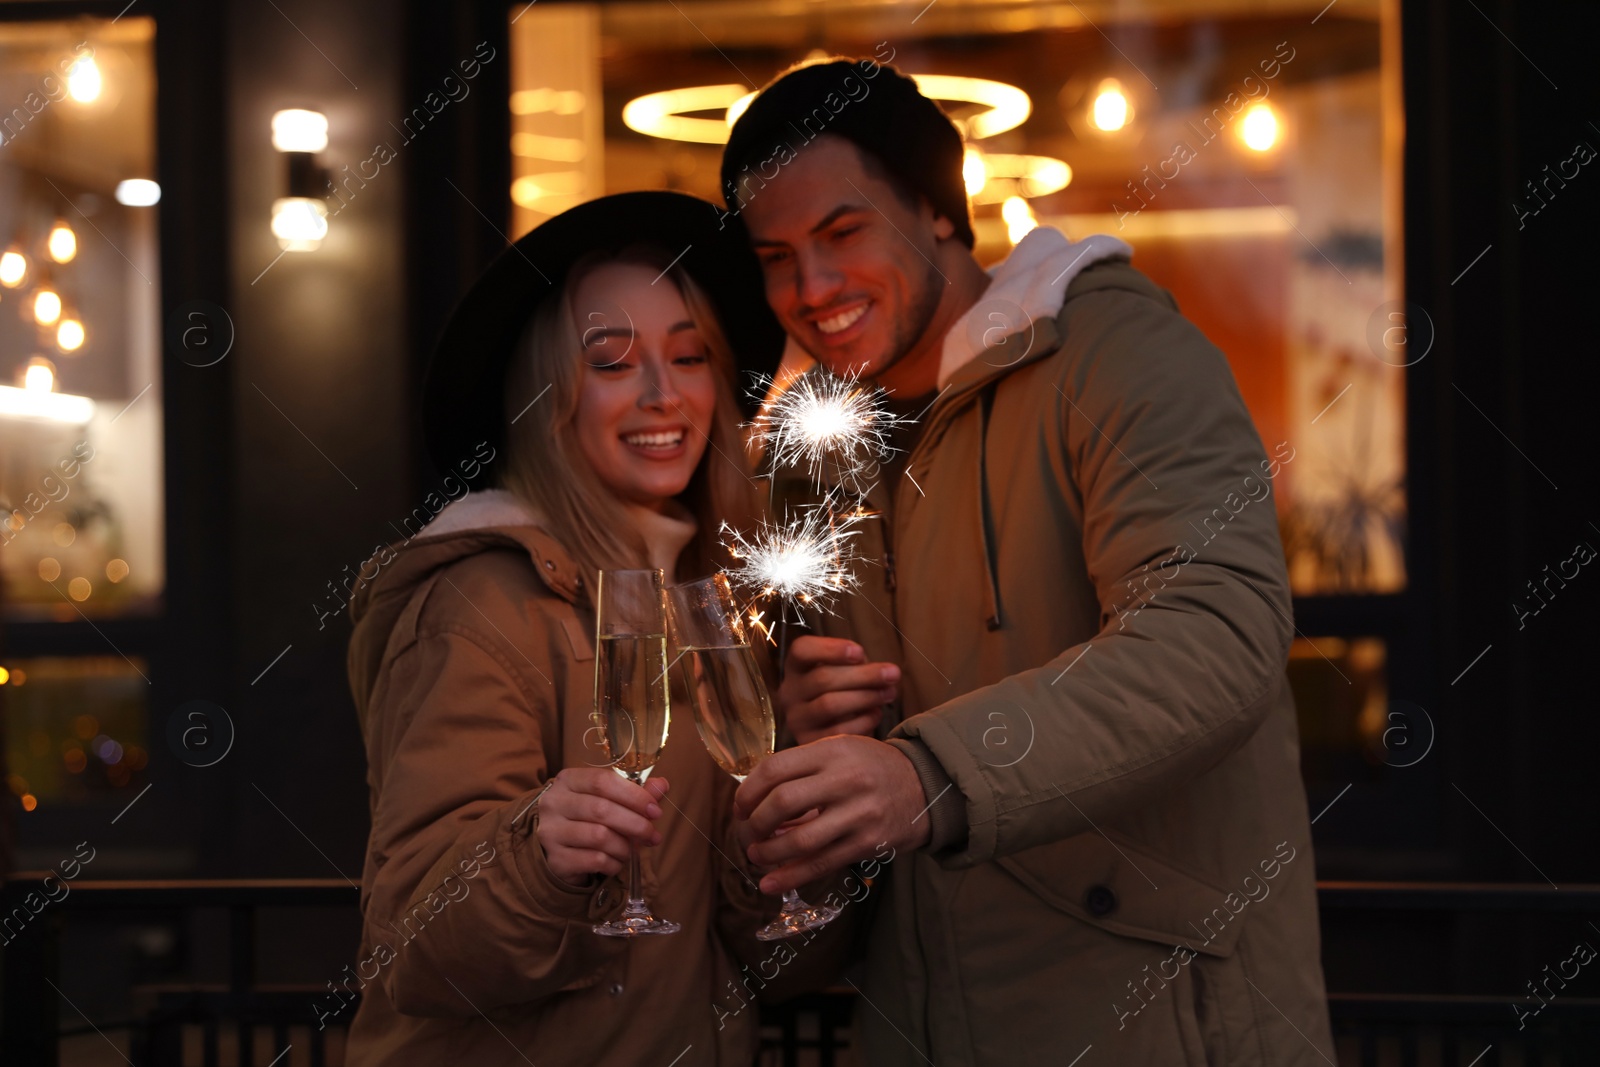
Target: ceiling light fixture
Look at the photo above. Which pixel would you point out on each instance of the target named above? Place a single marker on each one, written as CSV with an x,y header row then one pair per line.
x,y
83,80
1019,218
1259,128
667,114
664,114
1006,175
1110,110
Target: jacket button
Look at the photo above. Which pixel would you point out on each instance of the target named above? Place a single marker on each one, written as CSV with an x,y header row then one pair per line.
x,y
1100,901
615,989
602,899
993,622
549,564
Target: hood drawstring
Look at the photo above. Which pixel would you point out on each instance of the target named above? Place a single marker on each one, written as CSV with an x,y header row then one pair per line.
x,y
985,520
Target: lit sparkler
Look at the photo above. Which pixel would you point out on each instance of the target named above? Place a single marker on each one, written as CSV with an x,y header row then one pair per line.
x,y
802,562
819,417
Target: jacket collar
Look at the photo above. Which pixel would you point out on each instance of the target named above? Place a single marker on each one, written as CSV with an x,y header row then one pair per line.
x,y
480,520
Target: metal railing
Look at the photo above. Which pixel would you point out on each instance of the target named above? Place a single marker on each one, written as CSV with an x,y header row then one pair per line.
x,y
1370,1026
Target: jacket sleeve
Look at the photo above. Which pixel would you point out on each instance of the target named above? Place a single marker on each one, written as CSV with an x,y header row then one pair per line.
x,y
457,886
1180,540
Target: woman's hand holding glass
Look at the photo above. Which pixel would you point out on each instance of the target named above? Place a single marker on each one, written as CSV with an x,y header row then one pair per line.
x,y
589,818
632,708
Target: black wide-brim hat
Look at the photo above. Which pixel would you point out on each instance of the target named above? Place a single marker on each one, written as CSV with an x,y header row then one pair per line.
x,y
463,388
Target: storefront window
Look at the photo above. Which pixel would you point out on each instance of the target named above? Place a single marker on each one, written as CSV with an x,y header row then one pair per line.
x,y
74,728
80,392
1250,154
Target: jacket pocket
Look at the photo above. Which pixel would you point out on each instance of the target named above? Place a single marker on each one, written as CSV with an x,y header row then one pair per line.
x,y
1115,884
1188,993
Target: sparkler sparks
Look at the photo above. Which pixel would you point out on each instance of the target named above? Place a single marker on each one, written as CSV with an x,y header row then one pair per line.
x,y
802,562
819,417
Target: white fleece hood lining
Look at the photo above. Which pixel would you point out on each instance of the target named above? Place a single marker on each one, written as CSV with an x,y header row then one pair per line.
x,y
481,509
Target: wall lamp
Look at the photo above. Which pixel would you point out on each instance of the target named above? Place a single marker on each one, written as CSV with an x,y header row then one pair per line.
x,y
300,219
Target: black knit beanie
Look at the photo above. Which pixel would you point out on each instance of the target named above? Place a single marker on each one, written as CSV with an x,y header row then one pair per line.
x,y
872,105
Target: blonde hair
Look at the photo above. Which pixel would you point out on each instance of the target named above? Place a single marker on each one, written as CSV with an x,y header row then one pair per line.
x,y
546,467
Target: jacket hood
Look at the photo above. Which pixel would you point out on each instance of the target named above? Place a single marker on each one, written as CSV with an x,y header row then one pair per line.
x,y
478,522
1033,279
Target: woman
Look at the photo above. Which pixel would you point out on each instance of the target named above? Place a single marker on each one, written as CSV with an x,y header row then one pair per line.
x,y
588,373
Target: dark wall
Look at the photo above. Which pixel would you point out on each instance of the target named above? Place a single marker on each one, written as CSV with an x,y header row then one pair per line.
x,y
1502,424
319,396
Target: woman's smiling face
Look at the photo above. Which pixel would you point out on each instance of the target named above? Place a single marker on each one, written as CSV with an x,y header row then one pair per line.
x,y
647,396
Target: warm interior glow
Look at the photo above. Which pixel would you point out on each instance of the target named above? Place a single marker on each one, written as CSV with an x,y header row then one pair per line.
x,y
551,192
534,101
299,223
299,130
138,192
736,109
1259,128
1008,175
1008,106
46,307
45,404
62,243
973,171
13,268
1018,217
70,335
539,146
1110,111
83,81
663,114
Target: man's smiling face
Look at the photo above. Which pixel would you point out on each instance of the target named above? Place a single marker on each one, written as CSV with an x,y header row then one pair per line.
x,y
848,258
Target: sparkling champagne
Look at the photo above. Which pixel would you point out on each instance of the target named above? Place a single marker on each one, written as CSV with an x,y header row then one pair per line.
x,y
732,709
631,701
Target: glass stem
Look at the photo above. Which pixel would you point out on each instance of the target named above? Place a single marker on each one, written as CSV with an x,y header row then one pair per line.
x,y
635,879
792,901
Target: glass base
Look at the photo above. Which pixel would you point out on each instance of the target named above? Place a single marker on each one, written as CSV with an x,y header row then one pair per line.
x,y
636,920
796,918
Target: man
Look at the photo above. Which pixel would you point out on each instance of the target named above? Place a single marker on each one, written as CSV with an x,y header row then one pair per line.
x,y
1078,613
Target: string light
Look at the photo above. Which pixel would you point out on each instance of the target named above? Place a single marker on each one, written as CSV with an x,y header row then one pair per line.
x,y
70,335
62,243
46,307
13,268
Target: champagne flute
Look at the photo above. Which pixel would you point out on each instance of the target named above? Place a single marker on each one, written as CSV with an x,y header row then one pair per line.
x,y
732,708
632,708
